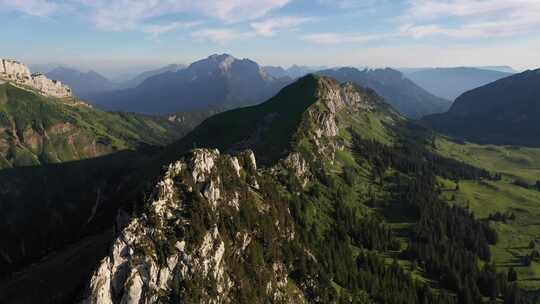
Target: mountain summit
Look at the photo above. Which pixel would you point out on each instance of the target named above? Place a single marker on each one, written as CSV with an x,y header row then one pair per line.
x,y
217,82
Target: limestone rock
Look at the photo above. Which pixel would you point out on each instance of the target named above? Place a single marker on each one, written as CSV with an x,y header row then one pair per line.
x,y
139,269
18,73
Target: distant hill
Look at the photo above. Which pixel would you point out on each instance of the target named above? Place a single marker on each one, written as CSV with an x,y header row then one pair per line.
x,y
294,71
499,68
449,83
82,83
217,82
137,80
404,95
506,111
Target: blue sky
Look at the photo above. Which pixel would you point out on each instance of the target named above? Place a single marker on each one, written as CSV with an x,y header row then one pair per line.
x,y
113,36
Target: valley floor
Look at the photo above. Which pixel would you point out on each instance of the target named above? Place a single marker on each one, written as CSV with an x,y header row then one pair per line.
x,y
519,236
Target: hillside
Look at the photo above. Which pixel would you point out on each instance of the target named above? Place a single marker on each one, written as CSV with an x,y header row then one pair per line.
x,y
405,96
217,82
503,112
322,194
450,83
35,129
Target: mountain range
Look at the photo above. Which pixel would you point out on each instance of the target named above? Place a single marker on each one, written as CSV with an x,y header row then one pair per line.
x,y
296,206
404,95
85,84
449,83
503,112
217,82
324,192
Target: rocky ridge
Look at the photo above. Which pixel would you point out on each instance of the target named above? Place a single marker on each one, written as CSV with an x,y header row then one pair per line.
x,y
168,251
19,74
159,256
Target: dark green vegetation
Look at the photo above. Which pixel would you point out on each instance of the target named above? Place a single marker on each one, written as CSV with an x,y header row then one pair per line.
x,y
404,95
503,112
265,128
39,130
513,210
366,194
346,214
450,83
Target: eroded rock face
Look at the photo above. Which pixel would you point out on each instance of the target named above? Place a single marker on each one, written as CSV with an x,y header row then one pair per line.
x,y
18,73
158,255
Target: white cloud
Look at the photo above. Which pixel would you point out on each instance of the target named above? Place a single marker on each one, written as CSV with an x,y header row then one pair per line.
x,y
220,35
339,38
31,7
353,4
157,29
237,10
121,15
270,27
428,9
473,18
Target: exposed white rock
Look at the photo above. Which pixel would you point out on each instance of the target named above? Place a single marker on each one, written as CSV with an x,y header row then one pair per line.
x,y
137,269
18,73
236,165
298,165
202,164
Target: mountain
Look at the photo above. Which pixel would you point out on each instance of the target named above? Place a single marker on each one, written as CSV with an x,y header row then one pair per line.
x,y
499,68
276,71
40,130
404,95
294,71
137,80
41,123
82,83
449,83
217,82
503,112
322,194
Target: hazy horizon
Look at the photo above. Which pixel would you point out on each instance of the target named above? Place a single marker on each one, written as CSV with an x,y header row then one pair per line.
x,y
121,37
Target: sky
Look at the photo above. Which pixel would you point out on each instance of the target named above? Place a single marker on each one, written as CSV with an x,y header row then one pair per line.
x,y
116,36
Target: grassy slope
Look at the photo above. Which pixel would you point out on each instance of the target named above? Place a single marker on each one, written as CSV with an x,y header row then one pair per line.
x,y
89,132
489,197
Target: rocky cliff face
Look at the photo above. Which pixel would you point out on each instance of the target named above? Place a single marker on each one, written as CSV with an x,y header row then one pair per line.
x,y
196,239
18,73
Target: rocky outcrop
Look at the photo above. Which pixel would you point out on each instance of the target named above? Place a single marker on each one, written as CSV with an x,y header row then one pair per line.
x,y
161,254
18,73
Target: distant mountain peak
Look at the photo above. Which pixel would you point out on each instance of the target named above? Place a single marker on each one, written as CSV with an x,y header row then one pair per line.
x,y
405,96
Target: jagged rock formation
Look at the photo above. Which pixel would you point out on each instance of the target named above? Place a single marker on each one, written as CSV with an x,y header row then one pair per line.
x,y
200,237
169,249
18,73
